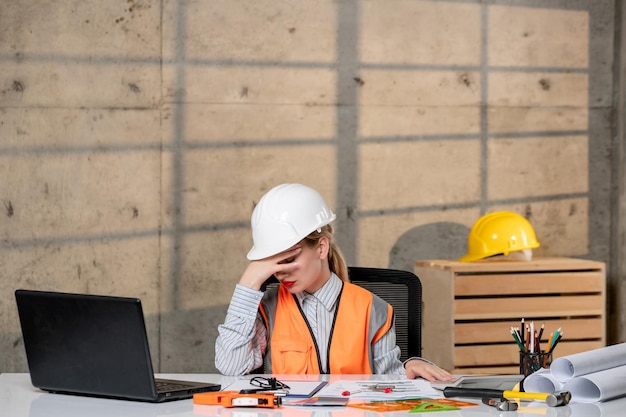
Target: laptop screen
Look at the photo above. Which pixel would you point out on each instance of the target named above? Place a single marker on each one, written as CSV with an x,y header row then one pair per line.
x,y
95,345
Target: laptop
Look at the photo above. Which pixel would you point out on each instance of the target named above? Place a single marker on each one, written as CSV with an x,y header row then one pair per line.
x,y
93,345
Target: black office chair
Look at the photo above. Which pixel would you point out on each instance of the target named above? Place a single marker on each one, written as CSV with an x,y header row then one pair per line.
x,y
401,289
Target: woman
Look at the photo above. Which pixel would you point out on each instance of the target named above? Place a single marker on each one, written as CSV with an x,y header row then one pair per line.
x,y
316,321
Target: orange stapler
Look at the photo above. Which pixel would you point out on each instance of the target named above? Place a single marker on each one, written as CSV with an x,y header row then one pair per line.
x,y
236,399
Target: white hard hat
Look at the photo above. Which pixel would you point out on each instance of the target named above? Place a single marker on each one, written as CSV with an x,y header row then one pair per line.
x,y
285,215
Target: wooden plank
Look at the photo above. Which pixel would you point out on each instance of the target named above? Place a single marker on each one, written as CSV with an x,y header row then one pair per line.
x,y
492,332
438,322
517,307
537,264
509,354
529,283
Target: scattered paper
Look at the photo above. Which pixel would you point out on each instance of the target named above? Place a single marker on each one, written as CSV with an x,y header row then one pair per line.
x,y
375,390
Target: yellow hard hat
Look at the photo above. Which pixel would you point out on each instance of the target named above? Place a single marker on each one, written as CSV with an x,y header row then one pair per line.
x,y
498,233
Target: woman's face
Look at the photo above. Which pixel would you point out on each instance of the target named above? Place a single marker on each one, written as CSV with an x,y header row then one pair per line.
x,y
311,268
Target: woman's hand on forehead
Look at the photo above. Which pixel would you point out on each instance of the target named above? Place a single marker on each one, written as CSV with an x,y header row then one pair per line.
x,y
290,254
259,271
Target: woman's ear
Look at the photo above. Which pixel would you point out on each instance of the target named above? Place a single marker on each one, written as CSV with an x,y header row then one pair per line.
x,y
323,247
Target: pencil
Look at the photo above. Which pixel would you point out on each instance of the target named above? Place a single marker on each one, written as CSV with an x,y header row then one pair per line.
x,y
557,332
518,334
537,344
549,342
558,339
519,343
541,331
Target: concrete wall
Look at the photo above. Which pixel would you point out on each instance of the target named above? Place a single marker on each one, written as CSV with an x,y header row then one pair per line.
x,y
136,137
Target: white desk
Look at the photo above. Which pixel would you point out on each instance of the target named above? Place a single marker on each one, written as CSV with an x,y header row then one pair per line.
x,y
18,398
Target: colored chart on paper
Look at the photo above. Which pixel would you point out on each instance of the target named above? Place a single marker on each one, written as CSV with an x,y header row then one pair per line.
x,y
413,405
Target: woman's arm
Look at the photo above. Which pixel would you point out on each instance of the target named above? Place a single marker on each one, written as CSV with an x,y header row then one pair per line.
x,y
387,355
241,340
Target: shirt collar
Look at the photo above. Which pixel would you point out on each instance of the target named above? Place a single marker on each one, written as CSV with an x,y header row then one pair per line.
x,y
327,294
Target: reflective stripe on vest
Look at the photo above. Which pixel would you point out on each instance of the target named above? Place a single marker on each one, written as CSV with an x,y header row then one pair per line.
x,y
361,319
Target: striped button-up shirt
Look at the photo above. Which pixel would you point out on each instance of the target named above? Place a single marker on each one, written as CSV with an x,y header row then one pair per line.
x,y
242,339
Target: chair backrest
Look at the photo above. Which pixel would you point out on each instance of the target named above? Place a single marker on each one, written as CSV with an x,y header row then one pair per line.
x,y
401,289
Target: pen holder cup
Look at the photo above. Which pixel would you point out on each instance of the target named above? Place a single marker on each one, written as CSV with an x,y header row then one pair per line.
x,y
532,362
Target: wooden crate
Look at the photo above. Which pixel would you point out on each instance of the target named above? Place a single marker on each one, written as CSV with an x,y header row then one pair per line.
x,y
469,308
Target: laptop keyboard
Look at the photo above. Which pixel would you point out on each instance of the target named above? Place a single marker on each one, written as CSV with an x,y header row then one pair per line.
x,y
163,386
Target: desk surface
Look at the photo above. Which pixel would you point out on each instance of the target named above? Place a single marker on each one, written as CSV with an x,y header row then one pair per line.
x,y
18,398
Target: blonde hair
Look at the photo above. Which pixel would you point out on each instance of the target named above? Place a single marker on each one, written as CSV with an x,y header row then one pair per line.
x,y
336,261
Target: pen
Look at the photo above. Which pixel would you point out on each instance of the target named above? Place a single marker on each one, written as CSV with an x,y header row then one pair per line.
x,y
277,392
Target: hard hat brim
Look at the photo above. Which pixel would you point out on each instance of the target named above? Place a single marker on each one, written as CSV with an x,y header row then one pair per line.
x,y
471,257
257,253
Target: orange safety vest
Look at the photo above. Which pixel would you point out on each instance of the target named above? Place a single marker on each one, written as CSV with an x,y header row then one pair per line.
x,y
361,319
